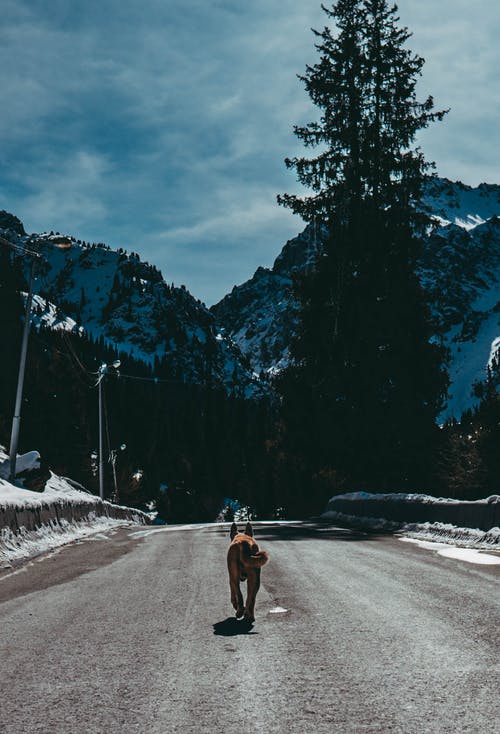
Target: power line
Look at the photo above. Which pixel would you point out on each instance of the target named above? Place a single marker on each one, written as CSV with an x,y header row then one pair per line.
x,y
73,353
80,368
156,380
78,372
24,250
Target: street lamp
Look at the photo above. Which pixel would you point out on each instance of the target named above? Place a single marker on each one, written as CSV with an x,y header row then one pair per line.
x,y
103,370
16,421
113,456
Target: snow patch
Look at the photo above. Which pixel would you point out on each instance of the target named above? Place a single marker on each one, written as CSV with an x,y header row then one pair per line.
x,y
426,499
437,531
396,497
469,555
15,547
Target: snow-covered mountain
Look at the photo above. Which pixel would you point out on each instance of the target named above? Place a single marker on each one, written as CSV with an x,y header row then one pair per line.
x,y
114,295
460,268
261,314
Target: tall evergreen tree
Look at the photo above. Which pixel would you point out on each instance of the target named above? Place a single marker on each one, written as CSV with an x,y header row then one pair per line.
x,y
365,86
367,382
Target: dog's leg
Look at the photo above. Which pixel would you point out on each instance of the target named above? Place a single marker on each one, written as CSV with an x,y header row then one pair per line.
x,y
253,585
234,584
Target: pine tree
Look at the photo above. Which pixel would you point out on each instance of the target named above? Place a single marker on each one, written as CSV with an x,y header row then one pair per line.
x,y
335,86
485,430
461,470
364,85
367,384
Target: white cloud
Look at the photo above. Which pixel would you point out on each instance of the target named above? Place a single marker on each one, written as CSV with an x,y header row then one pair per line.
x,y
162,127
65,192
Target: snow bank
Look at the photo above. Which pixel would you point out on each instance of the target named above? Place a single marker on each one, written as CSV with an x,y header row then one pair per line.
x,y
470,555
472,524
437,531
34,522
411,497
25,544
58,490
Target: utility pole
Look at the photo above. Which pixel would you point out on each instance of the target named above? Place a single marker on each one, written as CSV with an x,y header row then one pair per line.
x,y
113,456
16,421
101,442
103,370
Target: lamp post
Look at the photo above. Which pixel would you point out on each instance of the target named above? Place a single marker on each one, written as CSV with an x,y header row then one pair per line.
x,y
113,455
16,421
103,370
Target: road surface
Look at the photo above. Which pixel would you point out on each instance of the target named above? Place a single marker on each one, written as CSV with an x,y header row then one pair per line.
x,y
132,631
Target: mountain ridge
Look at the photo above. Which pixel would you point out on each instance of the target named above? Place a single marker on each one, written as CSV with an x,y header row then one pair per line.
x,y
460,265
115,295
245,338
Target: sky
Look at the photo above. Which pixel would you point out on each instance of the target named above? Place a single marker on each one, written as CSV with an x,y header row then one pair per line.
x,y
161,126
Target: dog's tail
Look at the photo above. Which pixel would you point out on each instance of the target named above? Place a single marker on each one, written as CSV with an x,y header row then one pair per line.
x,y
257,560
254,560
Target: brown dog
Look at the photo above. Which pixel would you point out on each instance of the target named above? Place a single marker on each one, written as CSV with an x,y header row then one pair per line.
x,y
244,561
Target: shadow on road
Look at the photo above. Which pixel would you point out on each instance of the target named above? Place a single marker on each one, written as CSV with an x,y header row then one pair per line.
x,y
304,530
231,626
311,530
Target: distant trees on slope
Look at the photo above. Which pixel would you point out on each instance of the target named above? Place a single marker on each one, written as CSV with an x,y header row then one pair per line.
x,y
187,446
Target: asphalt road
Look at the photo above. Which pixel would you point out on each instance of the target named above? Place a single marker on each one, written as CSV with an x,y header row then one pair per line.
x,y
134,633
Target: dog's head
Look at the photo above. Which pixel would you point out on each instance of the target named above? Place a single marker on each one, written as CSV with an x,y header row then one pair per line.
x,y
234,530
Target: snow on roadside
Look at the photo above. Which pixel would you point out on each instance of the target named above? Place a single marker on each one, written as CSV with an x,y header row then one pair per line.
x,y
57,489
426,499
445,533
436,531
426,531
469,555
17,546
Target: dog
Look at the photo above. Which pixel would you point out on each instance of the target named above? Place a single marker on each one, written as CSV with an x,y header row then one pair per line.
x,y
244,561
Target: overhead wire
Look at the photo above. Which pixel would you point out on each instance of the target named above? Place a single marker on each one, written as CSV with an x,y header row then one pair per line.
x,y
95,376
81,372
24,250
73,353
156,380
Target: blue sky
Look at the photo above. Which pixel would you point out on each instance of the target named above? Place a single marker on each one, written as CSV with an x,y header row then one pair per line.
x,y
161,125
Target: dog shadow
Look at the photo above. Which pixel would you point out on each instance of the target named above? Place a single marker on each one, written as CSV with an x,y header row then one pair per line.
x,y
232,626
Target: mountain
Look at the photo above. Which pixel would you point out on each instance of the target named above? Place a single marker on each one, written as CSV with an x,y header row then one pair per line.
x,y
460,269
113,295
261,315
